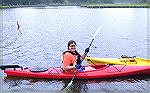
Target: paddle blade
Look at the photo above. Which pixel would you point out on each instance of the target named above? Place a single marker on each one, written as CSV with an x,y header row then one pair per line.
x,y
68,86
3,67
97,31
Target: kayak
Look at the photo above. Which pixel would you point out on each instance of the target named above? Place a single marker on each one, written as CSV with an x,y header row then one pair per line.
x,y
119,61
90,72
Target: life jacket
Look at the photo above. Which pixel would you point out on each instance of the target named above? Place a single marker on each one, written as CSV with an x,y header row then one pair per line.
x,y
76,53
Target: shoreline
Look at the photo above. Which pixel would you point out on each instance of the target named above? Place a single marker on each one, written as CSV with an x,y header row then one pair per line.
x,y
42,5
116,5
82,5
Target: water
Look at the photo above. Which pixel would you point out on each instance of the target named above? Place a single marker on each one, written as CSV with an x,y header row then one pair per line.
x,y
47,30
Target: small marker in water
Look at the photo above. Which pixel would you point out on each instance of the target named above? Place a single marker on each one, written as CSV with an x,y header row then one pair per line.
x,y
18,27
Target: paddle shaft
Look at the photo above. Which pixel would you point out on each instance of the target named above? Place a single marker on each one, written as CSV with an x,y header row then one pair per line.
x,y
91,43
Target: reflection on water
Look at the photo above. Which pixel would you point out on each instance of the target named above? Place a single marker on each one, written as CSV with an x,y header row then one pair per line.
x,y
123,83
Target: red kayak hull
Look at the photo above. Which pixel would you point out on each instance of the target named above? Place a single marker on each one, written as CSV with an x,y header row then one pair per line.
x,y
91,72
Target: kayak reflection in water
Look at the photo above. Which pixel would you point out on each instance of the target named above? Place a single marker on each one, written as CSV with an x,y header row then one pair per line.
x,y
71,59
79,86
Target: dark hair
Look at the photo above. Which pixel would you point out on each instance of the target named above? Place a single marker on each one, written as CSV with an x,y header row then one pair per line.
x,y
71,42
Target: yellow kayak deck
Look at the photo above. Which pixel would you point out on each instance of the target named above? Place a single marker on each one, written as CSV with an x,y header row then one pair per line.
x,y
119,61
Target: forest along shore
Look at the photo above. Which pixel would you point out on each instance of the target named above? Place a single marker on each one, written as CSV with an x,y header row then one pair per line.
x,y
144,5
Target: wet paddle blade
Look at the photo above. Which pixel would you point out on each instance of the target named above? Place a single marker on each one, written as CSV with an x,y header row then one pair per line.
x,y
68,86
97,31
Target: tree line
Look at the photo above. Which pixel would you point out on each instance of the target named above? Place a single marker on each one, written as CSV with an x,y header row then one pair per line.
x,y
34,2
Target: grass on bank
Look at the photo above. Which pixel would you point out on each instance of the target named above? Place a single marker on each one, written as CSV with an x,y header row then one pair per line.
x,y
17,6
2,6
145,5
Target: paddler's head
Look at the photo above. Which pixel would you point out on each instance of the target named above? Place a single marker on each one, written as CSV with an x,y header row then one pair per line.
x,y
72,45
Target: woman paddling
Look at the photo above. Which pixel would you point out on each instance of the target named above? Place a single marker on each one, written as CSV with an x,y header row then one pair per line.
x,y
71,59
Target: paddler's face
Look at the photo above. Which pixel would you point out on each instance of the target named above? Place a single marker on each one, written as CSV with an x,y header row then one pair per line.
x,y
72,47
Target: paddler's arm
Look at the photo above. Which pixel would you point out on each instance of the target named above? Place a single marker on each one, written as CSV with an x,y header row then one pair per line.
x,y
69,68
85,54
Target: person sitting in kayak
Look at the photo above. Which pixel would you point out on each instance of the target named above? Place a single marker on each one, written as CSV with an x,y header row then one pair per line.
x,y
71,59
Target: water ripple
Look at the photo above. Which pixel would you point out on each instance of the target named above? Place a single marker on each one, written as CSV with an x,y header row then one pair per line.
x,y
15,51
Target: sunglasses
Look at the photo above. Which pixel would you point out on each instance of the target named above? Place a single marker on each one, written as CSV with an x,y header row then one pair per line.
x,y
72,46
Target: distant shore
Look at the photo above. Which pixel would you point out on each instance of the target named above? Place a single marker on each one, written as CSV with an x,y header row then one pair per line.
x,y
83,5
41,5
116,5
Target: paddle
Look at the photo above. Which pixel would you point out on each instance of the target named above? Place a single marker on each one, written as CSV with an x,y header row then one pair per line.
x,y
97,31
70,83
3,67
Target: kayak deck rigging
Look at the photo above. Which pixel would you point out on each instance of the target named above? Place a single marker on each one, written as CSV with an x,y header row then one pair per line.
x,y
58,70
117,68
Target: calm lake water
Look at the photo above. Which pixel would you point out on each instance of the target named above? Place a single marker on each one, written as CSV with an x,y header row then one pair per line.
x,y
46,31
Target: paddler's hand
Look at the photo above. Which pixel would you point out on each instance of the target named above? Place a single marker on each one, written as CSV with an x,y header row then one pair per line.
x,y
78,66
87,50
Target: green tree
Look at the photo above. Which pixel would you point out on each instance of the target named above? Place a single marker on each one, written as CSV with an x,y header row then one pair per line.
x,y
108,1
